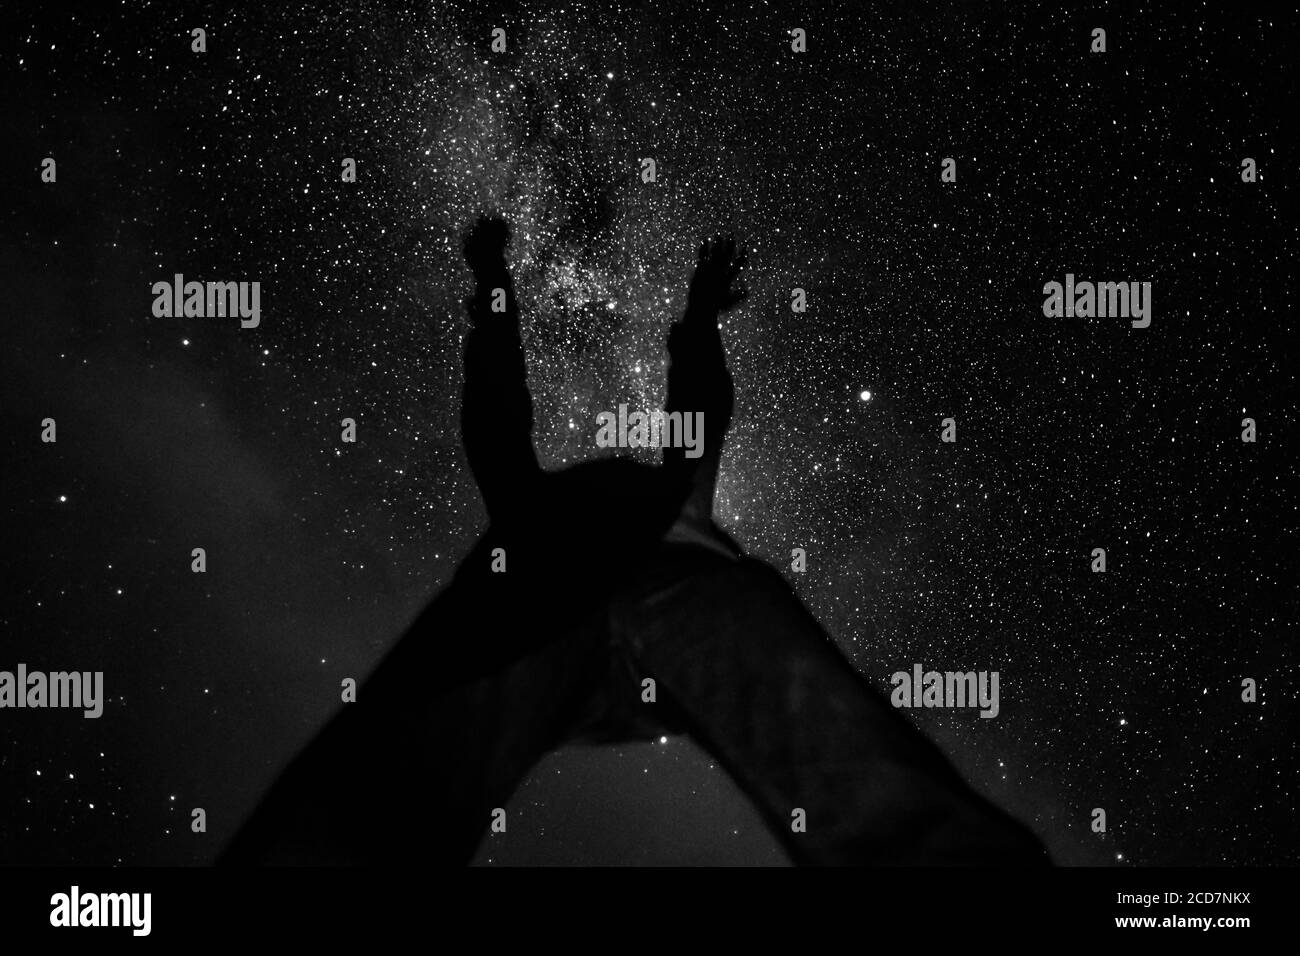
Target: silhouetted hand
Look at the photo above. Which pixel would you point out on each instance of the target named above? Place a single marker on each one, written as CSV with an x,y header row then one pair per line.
x,y
713,287
485,248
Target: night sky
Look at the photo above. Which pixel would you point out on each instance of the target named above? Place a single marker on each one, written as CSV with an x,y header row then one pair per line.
x,y
1119,690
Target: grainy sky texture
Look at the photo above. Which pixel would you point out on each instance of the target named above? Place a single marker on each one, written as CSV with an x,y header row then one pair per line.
x,y
1119,690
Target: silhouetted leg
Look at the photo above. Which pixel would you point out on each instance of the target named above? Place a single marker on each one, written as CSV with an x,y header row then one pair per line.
x,y
764,689
410,772
491,732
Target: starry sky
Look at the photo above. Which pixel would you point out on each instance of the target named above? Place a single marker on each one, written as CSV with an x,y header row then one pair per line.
x,y
1118,690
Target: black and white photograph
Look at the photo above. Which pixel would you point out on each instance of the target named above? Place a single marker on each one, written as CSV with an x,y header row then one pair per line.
x,y
655,437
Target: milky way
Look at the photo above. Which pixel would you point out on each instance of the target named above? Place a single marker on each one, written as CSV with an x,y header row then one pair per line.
x,y
1119,690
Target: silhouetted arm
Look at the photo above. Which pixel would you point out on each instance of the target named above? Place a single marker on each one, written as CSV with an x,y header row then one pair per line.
x,y
698,379
496,410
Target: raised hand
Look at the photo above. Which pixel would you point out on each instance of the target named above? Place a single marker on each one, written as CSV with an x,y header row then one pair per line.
x,y
714,286
497,411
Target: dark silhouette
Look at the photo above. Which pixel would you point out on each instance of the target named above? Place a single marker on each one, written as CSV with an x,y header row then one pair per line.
x,y
615,572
